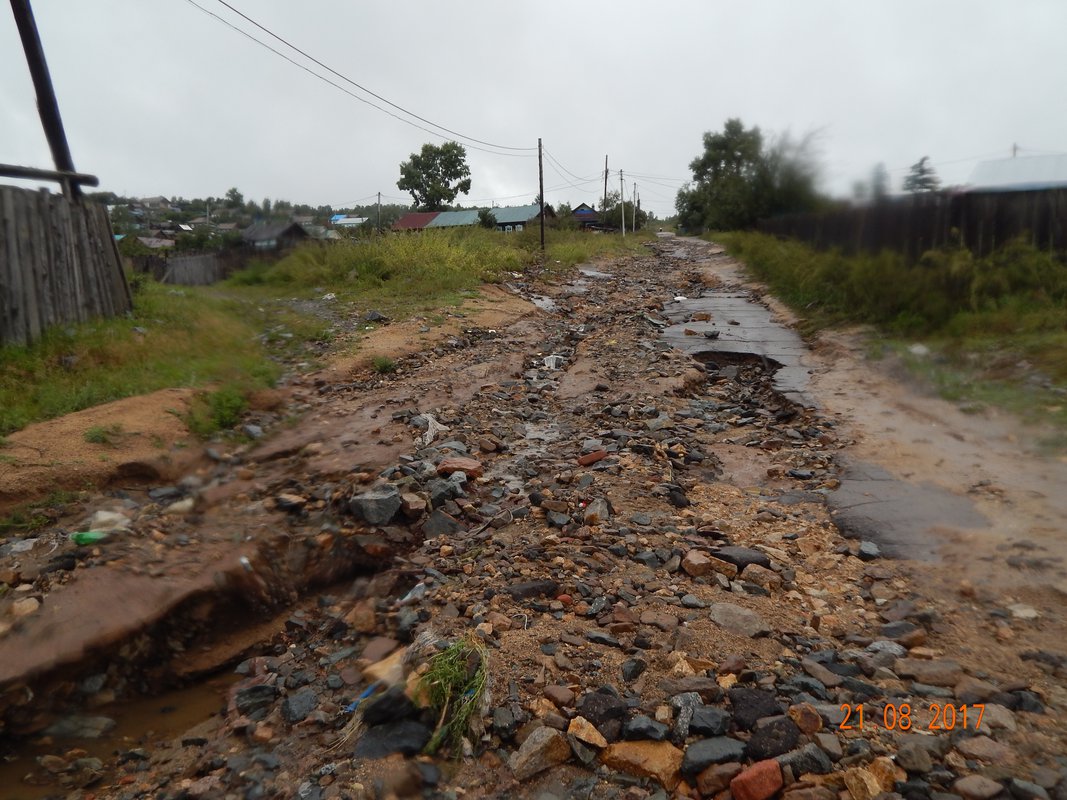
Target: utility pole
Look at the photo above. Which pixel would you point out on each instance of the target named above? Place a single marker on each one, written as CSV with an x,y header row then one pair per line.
x,y
379,212
622,204
47,106
633,227
604,204
541,184
1014,150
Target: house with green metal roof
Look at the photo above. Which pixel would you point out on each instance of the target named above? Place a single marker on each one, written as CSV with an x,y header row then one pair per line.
x,y
515,218
454,219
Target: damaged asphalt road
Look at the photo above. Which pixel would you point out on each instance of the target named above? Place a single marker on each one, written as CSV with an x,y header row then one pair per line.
x,y
634,535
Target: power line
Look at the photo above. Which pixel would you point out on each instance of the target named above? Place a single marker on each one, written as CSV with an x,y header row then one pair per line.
x,y
576,177
355,96
364,88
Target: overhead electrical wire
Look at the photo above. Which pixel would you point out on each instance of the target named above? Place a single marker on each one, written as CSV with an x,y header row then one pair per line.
x,y
346,79
350,93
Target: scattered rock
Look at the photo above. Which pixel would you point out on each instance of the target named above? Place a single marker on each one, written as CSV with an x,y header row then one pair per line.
x,y
661,761
542,749
738,620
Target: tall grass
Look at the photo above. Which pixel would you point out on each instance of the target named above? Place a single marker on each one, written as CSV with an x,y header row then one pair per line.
x,y
431,263
1008,305
176,338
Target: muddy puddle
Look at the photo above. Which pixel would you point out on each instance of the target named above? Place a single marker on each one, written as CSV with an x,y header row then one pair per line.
x,y
140,726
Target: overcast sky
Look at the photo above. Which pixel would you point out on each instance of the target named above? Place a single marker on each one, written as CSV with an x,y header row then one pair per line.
x,y
160,98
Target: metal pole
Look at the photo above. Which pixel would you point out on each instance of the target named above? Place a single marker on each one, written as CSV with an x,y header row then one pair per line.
x,y
379,212
633,227
47,106
541,183
622,204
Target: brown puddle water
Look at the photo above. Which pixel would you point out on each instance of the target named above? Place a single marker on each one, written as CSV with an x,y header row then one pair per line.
x,y
143,723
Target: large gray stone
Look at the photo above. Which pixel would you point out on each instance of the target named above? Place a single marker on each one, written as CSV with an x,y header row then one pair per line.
x,y
376,506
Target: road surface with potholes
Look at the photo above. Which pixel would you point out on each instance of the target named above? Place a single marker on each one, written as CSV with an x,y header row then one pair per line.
x,y
633,498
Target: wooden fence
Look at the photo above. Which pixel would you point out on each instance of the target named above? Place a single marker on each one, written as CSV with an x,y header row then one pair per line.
x,y
58,264
190,269
980,221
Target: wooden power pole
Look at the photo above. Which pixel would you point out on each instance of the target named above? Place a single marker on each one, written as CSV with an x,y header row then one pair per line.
x,y
47,106
541,184
604,202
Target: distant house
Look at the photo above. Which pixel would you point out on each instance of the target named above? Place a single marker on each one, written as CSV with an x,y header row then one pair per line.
x,y
227,227
155,203
1026,174
345,221
304,219
275,236
415,220
454,219
516,218
586,215
155,243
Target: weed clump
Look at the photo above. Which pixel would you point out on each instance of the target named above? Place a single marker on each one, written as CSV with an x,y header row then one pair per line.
x,y
101,434
216,411
383,365
455,684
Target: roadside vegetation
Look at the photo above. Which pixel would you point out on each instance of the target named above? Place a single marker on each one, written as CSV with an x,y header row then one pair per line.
x,y
232,339
995,327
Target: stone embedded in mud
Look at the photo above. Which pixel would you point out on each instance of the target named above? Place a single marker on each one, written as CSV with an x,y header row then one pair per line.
x,y
470,466
808,759
661,761
985,749
79,726
404,736
542,749
297,706
557,519
758,782
593,457
741,557
869,551
530,589
936,672
703,753
376,506
977,787
254,701
738,620
751,705
772,737
25,606
601,707
391,705
642,727
440,524
597,512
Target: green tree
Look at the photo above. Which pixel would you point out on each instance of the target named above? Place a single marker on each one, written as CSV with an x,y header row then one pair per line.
x,y
611,213
738,179
234,199
486,218
436,175
921,177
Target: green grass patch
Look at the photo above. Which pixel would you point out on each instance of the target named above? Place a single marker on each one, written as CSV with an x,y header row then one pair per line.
x,y
455,683
28,518
176,337
217,410
101,434
383,365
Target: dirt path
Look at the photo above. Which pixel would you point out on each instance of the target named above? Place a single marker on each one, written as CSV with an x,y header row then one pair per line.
x,y
638,542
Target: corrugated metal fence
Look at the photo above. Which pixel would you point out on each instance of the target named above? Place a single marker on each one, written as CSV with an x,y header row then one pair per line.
x,y
980,221
58,264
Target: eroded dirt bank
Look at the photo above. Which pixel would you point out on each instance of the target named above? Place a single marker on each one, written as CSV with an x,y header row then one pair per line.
x,y
639,539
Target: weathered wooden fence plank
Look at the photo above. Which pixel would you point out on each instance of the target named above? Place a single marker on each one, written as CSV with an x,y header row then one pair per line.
x,y
58,264
979,221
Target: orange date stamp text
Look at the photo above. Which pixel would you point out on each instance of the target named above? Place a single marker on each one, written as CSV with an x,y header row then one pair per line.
x,y
898,717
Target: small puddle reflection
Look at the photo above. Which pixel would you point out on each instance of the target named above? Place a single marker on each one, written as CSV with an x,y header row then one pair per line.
x,y
140,723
